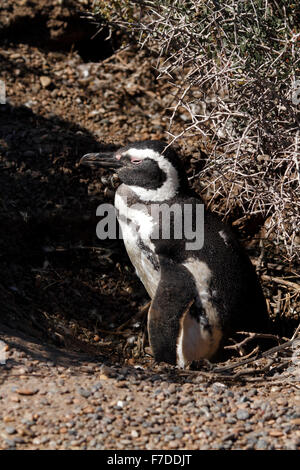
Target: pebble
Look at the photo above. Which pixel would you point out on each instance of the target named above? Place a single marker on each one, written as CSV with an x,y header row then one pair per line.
x,y
10,443
242,414
275,433
7,419
10,430
262,444
219,387
27,391
45,81
84,393
295,421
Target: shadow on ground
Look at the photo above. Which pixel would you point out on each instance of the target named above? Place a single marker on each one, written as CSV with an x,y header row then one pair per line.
x,y
58,282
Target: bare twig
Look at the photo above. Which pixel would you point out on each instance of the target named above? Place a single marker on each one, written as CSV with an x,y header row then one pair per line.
x,y
280,280
274,350
232,86
250,337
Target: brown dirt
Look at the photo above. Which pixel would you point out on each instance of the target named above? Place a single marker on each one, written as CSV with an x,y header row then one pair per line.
x,y
61,290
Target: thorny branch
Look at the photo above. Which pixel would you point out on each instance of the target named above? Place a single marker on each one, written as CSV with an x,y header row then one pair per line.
x,y
235,66
223,372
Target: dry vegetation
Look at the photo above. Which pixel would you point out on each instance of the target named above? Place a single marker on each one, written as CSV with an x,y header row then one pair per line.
x,y
233,67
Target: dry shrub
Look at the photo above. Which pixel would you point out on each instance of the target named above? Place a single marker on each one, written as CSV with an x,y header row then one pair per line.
x,y
233,66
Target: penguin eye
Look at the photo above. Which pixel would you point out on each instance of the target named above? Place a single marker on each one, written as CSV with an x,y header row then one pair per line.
x,y
135,161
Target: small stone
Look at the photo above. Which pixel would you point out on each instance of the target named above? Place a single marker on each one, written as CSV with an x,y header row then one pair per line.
x,y
15,398
10,442
10,430
218,386
174,444
251,441
275,433
88,410
8,419
262,444
97,386
27,391
45,81
242,414
107,371
243,399
84,393
295,421
19,440
229,437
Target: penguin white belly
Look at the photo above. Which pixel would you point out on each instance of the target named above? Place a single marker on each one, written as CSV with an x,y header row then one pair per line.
x,y
197,341
136,226
144,268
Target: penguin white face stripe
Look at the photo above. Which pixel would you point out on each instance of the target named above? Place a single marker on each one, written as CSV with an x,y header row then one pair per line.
x,y
169,187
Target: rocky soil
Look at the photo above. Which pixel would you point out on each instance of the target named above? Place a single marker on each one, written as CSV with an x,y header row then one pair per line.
x,y
75,368
57,400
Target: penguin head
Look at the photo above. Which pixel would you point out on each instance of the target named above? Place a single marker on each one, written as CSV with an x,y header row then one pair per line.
x,y
151,169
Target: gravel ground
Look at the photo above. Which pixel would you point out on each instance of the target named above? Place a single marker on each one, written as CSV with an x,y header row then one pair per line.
x,y
51,399
65,382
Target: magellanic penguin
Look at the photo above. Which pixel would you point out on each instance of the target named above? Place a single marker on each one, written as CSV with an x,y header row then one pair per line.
x,y
199,295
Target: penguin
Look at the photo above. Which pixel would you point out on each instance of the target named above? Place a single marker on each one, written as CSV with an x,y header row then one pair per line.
x,y
202,284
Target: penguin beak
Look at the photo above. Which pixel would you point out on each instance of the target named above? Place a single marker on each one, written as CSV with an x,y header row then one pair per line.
x,y
100,160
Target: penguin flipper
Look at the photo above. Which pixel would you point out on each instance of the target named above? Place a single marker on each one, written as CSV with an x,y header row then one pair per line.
x,y
174,296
